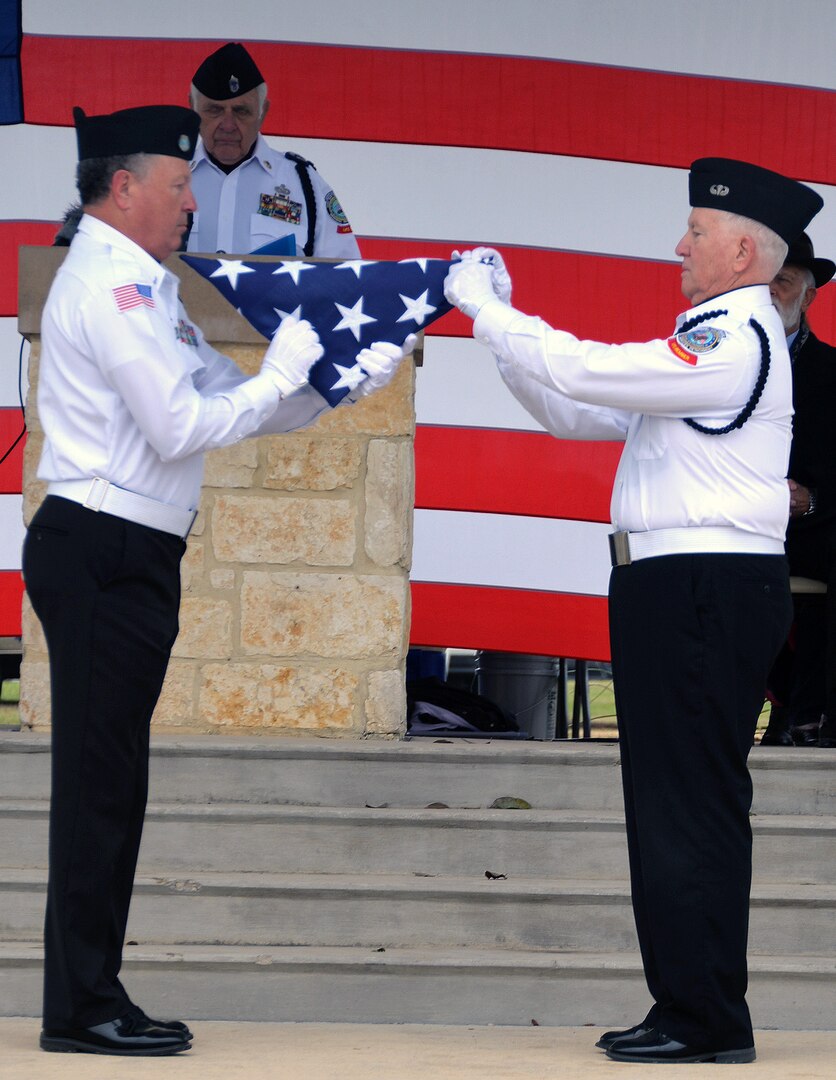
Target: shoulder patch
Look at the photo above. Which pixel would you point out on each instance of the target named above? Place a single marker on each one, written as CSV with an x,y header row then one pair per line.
x,y
696,342
132,296
335,211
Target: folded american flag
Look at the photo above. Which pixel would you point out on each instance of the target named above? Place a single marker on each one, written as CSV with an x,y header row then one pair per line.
x,y
350,304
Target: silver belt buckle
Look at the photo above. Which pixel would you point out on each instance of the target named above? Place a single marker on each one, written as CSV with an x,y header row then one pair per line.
x,y
96,496
620,548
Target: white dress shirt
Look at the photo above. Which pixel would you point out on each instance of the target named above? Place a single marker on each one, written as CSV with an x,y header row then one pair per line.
x,y
136,395
260,201
670,476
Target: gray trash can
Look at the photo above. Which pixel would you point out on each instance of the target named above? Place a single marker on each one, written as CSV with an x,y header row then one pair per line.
x,y
523,685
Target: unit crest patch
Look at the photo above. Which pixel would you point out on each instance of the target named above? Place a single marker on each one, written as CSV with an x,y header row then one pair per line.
x,y
691,345
336,212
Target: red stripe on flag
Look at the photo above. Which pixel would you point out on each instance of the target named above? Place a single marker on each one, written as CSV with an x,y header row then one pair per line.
x,y
513,472
504,102
11,471
11,599
508,620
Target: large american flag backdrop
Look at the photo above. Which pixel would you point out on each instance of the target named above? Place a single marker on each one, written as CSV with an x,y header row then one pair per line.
x,y
560,132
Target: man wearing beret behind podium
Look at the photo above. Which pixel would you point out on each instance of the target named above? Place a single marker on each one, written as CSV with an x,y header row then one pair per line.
x,y
699,594
130,395
249,195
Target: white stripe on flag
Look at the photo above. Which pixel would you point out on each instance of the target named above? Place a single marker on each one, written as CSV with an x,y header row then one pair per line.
x,y
665,35
458,385
512,552
12,532
10,341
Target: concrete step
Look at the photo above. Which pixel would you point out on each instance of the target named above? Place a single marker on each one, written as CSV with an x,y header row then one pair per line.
x,y
316,772
452,986
182,839
408,911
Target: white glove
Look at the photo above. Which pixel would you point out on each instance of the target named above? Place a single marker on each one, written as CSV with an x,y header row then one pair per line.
x,y
473,281
380,362
500,278
291,354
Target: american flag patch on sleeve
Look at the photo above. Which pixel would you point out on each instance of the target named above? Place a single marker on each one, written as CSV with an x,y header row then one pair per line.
x,y
131,296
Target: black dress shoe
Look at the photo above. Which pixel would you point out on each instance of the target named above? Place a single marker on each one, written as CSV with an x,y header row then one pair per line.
x,y
776,737
609,1037
655,1048
129,1035
172,1025
827,733
805,735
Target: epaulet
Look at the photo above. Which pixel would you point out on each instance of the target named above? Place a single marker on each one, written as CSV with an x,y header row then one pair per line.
x,y
299,159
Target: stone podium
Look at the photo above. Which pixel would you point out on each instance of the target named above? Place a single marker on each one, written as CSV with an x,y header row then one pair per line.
x,y
295,609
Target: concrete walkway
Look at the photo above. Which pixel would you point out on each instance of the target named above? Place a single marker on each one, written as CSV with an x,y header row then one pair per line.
x,y
231,1051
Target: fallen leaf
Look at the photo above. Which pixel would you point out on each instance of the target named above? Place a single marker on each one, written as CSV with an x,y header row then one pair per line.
x,y
510,802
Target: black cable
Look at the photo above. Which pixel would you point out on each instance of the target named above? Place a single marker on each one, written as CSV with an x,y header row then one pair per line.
x,y
20,399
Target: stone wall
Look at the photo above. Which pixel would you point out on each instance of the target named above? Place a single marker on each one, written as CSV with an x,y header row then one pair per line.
x,y
295,609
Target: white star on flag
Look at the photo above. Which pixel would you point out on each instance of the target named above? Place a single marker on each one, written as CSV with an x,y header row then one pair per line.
x,y
421,262
232,268
353,318
297,314
417,309
349,377
356,265
294,269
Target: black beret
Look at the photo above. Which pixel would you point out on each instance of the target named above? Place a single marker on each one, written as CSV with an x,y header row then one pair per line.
x,y
227,73
801,254
150,129
783,205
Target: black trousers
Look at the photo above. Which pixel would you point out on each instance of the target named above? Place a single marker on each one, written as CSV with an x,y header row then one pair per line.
x,y
107,593
693,638
811,552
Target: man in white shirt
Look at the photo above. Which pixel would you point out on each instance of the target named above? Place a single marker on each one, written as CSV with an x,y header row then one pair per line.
x,y
130,396
248,194
699,594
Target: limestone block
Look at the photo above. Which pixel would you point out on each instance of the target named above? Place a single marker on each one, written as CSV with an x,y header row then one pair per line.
x,y
32,631
389,499
253,529
389,411
205,628
333,615
176,707
231,466
303,462
192,565
34,490
199,526
35,701
222,579
386,703
273,696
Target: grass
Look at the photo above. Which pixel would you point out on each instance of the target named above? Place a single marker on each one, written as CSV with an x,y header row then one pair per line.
x,y
9,700
602,709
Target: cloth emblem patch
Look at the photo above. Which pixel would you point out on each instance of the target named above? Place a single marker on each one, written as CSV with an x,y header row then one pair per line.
x,y
131,296
336,212
280,205
186,333
691,345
